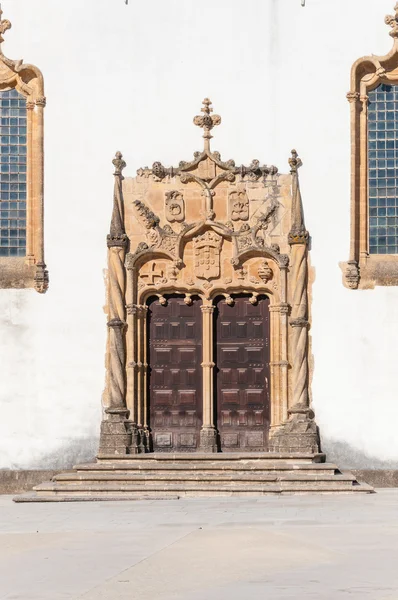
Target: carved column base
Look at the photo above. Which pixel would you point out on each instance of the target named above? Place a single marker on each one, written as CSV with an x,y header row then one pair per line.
x,y
132,429
299,434
116,432
208,439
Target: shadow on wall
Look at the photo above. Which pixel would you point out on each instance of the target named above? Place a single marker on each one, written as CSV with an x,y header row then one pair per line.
x,y
72,452
347,457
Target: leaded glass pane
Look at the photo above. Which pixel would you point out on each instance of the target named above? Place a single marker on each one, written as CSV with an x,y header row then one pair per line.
x,y
383,169
13,193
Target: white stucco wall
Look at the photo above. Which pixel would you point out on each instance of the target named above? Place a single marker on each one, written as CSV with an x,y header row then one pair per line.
x,y
131,78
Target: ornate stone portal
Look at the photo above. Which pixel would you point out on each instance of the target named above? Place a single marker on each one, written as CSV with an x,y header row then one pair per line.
x,y
207,229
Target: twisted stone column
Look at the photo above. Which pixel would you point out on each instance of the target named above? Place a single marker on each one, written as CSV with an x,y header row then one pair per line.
x,y
299,433
116,430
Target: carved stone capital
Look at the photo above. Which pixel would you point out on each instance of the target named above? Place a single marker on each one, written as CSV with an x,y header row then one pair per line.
x,y
283,261
298,237
207,309
117,241
353,97
282,308
41,101
300,322
116,324
131,309
141,311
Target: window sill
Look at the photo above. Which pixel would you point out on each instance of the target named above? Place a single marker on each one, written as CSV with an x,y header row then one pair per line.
x,y
371,271
16,274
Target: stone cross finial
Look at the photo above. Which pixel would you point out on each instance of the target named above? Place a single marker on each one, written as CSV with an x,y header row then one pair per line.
x,y
118,163
4,25
295,162
207,121
392,21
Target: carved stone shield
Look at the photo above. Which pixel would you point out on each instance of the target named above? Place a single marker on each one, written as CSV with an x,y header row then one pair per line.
x,y
207,255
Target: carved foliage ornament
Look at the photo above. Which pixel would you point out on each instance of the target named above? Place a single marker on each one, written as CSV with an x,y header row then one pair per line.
x,y
148,218
265,272
207,255
392,21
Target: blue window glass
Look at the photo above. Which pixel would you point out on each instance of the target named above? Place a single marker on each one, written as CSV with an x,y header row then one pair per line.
x,y
13,150
382,167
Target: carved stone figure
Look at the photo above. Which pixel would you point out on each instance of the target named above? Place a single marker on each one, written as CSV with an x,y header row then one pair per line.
x,y
239,206
207,255
175,207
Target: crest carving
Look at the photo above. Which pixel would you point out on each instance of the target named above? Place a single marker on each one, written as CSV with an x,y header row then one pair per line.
x,y
175,207
239,206
207,255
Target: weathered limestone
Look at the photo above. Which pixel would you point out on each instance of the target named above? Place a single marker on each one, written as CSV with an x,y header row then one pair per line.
x,y
116,432
154,476
207,228
299,433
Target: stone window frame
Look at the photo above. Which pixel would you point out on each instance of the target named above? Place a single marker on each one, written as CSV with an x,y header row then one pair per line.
x,y
364,270
28,271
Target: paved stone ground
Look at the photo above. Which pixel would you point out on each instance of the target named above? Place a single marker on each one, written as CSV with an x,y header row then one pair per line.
x,y
301,547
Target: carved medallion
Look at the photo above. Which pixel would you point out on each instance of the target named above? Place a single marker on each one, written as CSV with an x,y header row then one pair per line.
x,y
239,206
175,206
207,255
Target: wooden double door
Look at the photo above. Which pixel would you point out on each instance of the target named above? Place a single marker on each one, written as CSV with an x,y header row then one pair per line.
x,y
241,374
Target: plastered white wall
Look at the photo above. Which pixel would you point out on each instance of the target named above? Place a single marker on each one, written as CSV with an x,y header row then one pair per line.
x,y
131,78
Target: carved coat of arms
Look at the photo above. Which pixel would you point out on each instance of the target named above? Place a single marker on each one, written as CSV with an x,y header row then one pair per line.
x,y
239,206
175,207
207,249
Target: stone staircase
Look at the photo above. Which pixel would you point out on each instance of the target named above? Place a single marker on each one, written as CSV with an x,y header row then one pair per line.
x,y
160,476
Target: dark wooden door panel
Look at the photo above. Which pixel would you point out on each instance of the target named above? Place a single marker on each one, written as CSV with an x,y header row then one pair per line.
x,y
242,374
175,374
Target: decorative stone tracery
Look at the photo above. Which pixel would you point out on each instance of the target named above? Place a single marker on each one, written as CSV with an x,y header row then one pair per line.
x,y
260,248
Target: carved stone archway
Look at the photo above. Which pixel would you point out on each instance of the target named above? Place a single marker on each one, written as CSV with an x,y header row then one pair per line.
x,y
209,228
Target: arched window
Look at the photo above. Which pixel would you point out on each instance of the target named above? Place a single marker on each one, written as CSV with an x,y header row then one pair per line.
x,y
374,169
22,103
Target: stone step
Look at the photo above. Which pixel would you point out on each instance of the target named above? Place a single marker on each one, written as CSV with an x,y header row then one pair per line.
x,y
215,478
159,467
294,458
159,476
191,486
141,493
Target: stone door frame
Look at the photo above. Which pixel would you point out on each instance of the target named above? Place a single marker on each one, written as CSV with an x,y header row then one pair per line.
x,y
137,400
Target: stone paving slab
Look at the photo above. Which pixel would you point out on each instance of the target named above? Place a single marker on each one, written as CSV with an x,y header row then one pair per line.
x,y
323,547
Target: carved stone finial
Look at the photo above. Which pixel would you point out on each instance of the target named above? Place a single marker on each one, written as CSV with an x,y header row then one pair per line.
x,y
118,163
207,121
4,26
295,162
392,21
